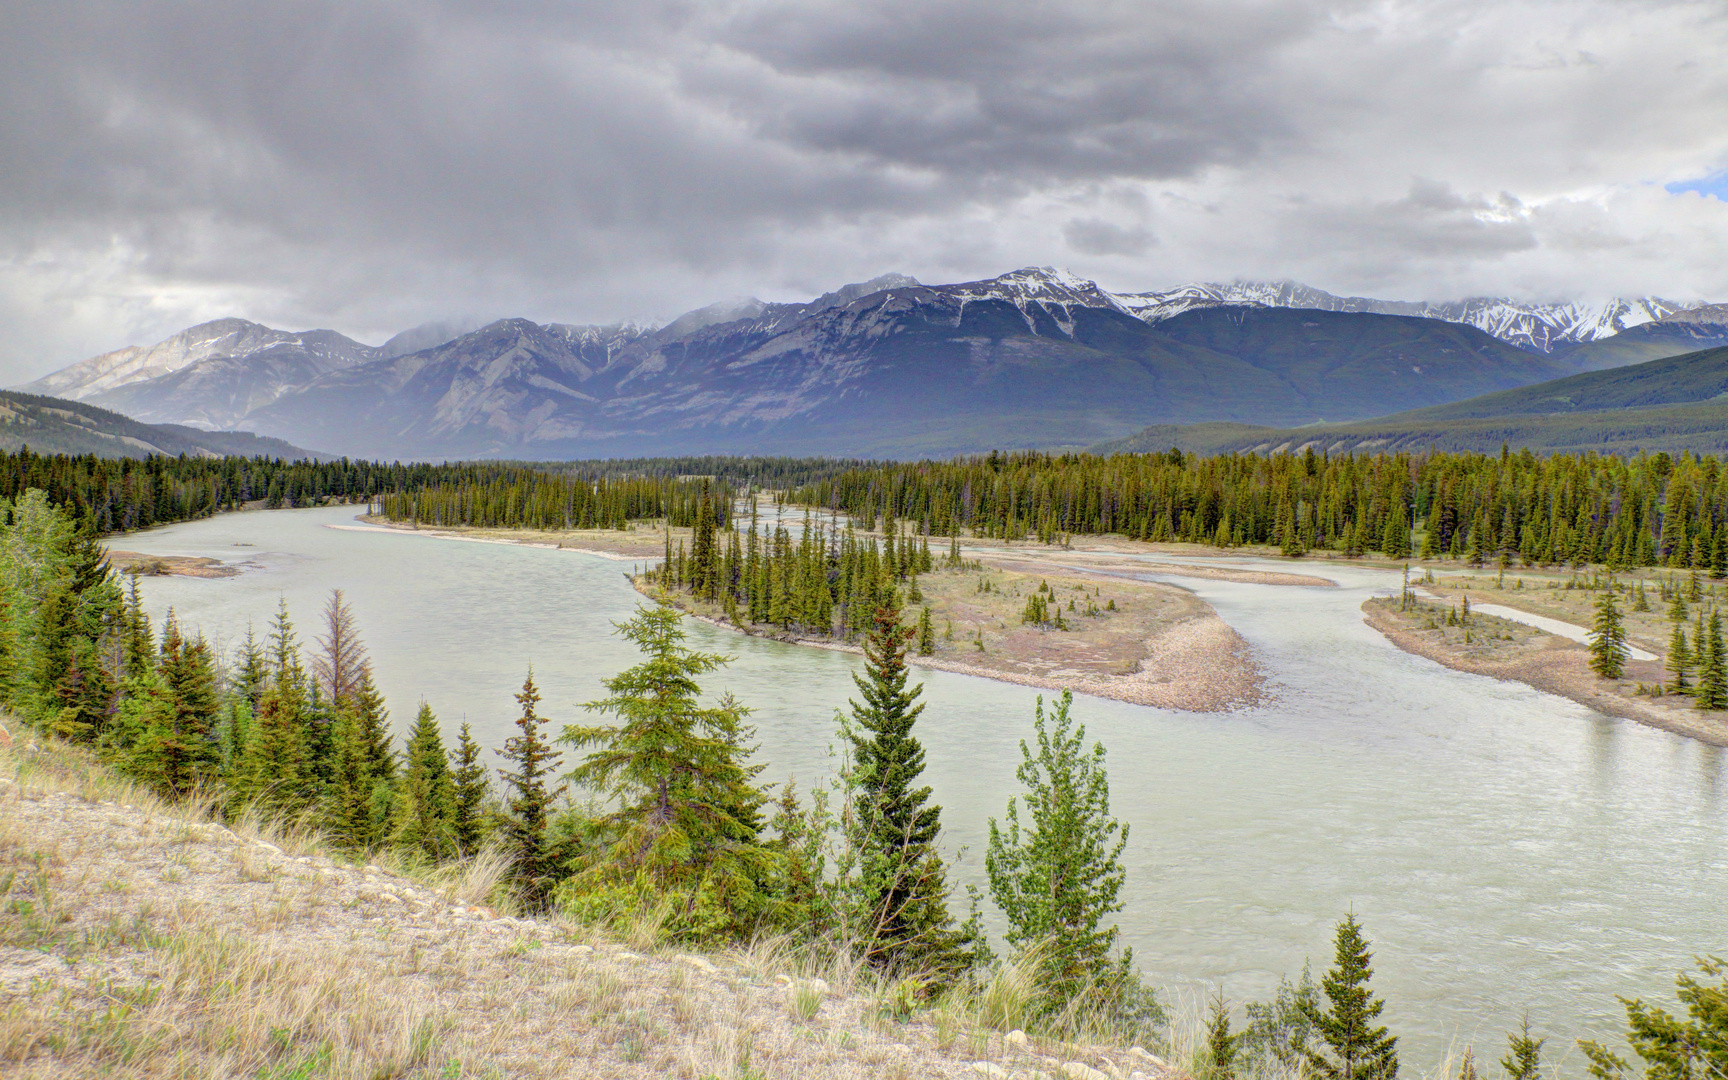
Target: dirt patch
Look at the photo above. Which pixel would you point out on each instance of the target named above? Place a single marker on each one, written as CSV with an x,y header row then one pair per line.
x,y
1135,641
133,562
1548,663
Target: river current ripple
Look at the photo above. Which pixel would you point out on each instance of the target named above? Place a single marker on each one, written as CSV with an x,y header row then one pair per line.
x,y
1507,850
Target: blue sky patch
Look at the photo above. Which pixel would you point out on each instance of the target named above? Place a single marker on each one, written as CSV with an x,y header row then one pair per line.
x,y
1714,186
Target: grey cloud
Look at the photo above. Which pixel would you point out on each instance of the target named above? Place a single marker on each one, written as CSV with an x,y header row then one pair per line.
x,y
1095,236
371,165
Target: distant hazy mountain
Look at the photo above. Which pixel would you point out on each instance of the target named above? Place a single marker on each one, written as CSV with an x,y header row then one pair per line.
x,y
1540,327
1674,403
1036,357
1032,358
209,376
57,426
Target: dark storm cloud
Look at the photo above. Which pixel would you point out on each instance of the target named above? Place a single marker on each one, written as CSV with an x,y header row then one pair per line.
x,y
371,164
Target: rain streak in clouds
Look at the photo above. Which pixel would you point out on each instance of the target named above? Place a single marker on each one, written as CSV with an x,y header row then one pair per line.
x,y
368,166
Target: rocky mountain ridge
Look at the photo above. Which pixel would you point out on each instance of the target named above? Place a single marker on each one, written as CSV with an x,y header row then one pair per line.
x,y
1033,357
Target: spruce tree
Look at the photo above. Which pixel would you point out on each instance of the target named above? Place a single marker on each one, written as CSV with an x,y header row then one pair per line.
x,y
470,782
906,889
926,633
1608,639
1059,878
349,811
1694,1048
688,817
341,663
1222,1047
1712,692
426,799
1679,659
1523,1060
534,852
186,739
1354,1048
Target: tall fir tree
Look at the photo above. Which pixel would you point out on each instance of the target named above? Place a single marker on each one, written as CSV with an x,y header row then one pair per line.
x,y
340,663
688,817
1679,659
1608,639
1059,878
531,792
1354,1048
470,783
1712,691
906,890
426,797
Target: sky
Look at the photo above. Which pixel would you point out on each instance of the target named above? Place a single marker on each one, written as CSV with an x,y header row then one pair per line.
x,y
367,166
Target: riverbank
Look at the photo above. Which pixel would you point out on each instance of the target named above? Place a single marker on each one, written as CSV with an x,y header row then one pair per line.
x,y
1133,641
134,562
1501,649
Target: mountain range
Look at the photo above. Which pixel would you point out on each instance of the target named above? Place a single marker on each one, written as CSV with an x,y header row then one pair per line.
x,y
888,367
1674,403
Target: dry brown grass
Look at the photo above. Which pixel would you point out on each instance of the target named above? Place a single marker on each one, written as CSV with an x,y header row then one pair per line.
x,y
139,939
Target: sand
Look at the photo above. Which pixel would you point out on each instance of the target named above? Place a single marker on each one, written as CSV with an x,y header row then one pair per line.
x,y
1556,666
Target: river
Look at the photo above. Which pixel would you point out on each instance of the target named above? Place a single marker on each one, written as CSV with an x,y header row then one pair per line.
x,y
1506,850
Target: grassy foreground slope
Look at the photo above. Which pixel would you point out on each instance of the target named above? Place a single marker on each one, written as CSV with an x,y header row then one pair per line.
x,y
144,939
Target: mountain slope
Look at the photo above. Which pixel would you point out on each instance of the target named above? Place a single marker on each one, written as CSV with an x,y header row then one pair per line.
x,y
1673,335
1534,326
55,426
1675,403
220,338
1032,358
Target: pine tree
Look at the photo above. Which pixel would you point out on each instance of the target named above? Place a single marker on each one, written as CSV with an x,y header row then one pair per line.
x,y
186,741
906,889
1221,1046
1354,1049
926,634
1057,880
1679,659
1712,692
688,818
1523,1060
1608,639
340,664
1695,1048
471,786
534,853
426,799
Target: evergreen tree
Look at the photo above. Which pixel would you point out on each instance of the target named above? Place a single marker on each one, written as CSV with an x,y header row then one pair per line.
x,y
372,729
688,818
533,850
1059,878
1608,639
1694,1048
1221,1046
926,633
426,799
352,816
470,783
1712,692
186,737
1523,1060
1679,659
340,665
905,884
1354,1048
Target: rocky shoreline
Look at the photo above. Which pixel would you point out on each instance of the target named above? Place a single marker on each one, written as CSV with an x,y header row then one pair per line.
x,y
1556,666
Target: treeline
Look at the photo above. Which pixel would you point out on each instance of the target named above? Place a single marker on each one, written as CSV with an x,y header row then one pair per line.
x,y
486,498
828,581
1654,509
770,473
110,495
